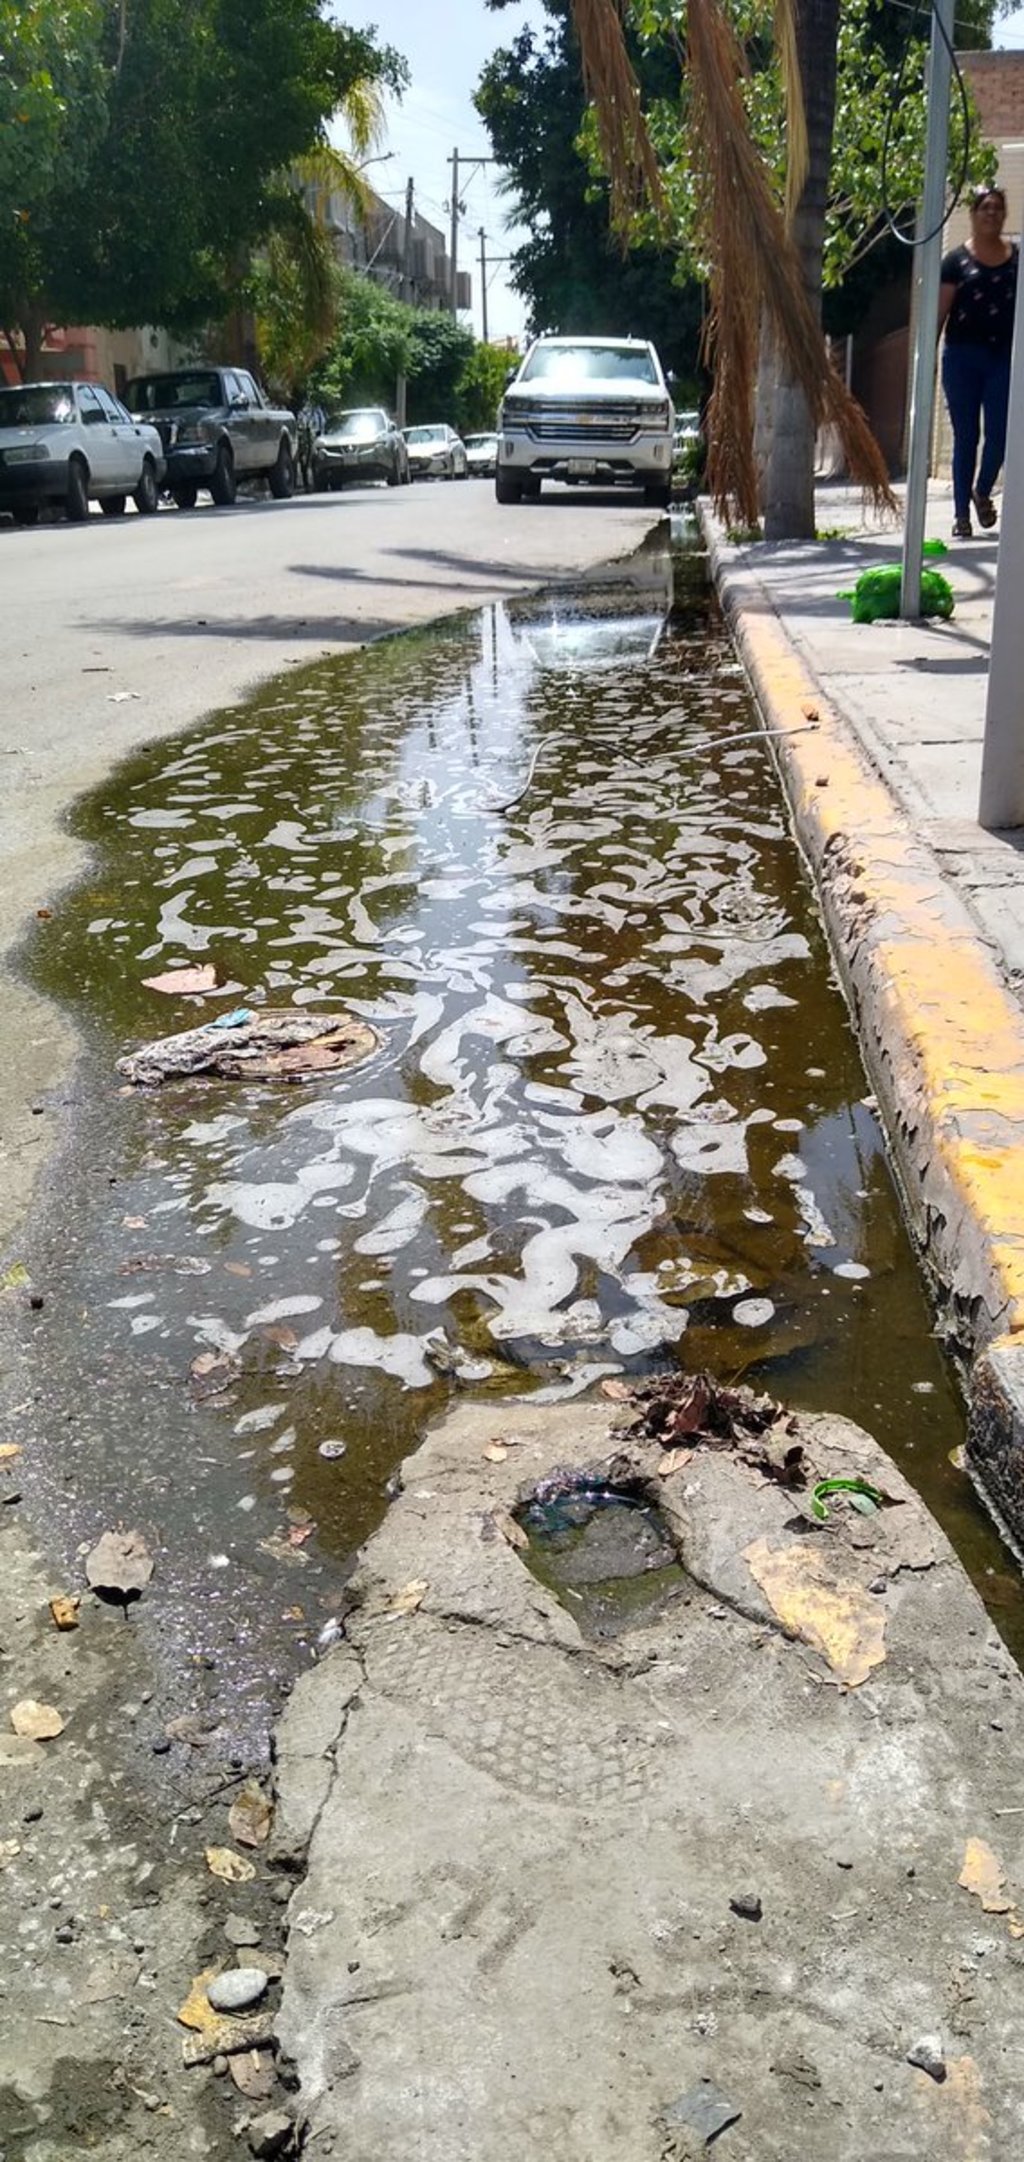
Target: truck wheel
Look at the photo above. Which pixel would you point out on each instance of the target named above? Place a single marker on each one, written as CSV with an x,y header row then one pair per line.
x,y
147,494
658,493
282,473
531,491
76,501
223,485
26,514
508,488
185,495
112,506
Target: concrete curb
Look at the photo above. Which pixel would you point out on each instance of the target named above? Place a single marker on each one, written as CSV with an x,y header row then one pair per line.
x,y
941,1035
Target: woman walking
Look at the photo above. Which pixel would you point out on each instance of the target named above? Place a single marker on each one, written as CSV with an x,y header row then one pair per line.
x,y
977,296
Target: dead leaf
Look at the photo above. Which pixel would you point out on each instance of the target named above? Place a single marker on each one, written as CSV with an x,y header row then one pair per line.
x,y
510,1530
217,2034
838,1619
185,980
212,1371
618,1392
16,1278
409,1598
36,1722
65,1610
230,1867
278,1332
674,1460
250,1816
984,1875
196,1728
120,1565
9,1450
495,1453
252,2072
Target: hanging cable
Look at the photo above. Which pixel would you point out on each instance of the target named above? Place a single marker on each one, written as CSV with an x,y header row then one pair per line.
x,y
907,237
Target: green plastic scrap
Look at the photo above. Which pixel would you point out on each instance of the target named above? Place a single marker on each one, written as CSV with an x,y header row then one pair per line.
x,y
877,592
864,1497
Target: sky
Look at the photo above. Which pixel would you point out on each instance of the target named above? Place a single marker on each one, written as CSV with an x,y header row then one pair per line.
x,y
446,44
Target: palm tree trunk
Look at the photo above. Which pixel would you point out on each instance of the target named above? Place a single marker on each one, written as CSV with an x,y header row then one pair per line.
x,y
789,494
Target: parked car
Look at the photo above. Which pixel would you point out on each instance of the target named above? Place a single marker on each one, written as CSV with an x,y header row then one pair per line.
x,y
217,428
586,409
436,450
481,454
65,442
363,444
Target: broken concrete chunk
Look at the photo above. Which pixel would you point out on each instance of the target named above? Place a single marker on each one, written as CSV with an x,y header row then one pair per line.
x,y
272,2134
927,2055
265,1046
748,1904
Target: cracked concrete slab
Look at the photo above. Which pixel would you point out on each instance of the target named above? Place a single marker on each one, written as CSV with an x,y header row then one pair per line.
x,y
515,1932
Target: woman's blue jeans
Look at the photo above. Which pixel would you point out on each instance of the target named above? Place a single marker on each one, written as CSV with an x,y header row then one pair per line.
x,y
976,381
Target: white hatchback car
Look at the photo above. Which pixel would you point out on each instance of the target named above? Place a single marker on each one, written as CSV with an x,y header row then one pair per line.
x,y
67,442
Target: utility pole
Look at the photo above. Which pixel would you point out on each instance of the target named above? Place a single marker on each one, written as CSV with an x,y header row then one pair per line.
x,y
1002,780
926,302
453,246
483,280
403,294
455,161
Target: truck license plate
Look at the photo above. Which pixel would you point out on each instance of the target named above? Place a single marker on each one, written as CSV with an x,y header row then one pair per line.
x,y
582,468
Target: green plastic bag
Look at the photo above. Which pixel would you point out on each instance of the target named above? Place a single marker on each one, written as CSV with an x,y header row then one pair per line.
x,y
877,594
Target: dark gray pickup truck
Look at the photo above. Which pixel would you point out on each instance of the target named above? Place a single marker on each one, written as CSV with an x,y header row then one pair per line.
x,y
217,428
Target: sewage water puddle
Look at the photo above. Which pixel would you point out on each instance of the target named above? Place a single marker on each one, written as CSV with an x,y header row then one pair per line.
x,y
607,1557
617,1119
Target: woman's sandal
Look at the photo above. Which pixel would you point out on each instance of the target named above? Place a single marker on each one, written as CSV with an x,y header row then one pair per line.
x,y
986,510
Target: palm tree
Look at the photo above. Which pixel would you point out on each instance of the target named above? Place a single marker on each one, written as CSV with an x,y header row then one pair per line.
x,y
294,280
765,261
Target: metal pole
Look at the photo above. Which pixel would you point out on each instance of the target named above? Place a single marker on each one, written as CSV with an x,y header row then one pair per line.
x,y
1002,759
926,300
483,281
403,294
454,249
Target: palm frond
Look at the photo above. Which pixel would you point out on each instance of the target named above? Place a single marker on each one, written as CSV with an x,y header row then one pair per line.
x,y
797,154
610,82
755,266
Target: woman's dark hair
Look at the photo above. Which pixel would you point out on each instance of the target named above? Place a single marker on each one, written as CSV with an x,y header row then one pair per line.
x,y
982,193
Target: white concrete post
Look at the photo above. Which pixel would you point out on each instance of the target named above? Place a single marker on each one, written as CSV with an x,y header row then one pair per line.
x,y
1002,760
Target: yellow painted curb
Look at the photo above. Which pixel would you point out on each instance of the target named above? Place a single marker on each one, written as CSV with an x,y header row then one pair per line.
x,y
941,1035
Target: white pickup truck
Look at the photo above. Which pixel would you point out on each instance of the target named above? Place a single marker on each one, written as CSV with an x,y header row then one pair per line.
x,y
592,410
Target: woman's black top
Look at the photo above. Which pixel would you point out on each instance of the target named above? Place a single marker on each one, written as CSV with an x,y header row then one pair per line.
x,y
982,310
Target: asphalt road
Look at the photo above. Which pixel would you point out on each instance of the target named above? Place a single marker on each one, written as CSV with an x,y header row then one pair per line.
x,y
120,631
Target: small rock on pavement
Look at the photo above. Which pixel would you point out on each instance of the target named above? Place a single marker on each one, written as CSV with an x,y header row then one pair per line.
x,y
236,1989
703,2109
240,1932
748,1904
927,2055
271,2134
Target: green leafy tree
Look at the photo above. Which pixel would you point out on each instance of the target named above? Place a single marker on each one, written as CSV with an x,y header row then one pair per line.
x,y
572,271
53,113
182,170
369,350
479,389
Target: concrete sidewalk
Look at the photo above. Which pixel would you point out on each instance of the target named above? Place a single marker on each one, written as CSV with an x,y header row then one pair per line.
x,y
879,749
746,1868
